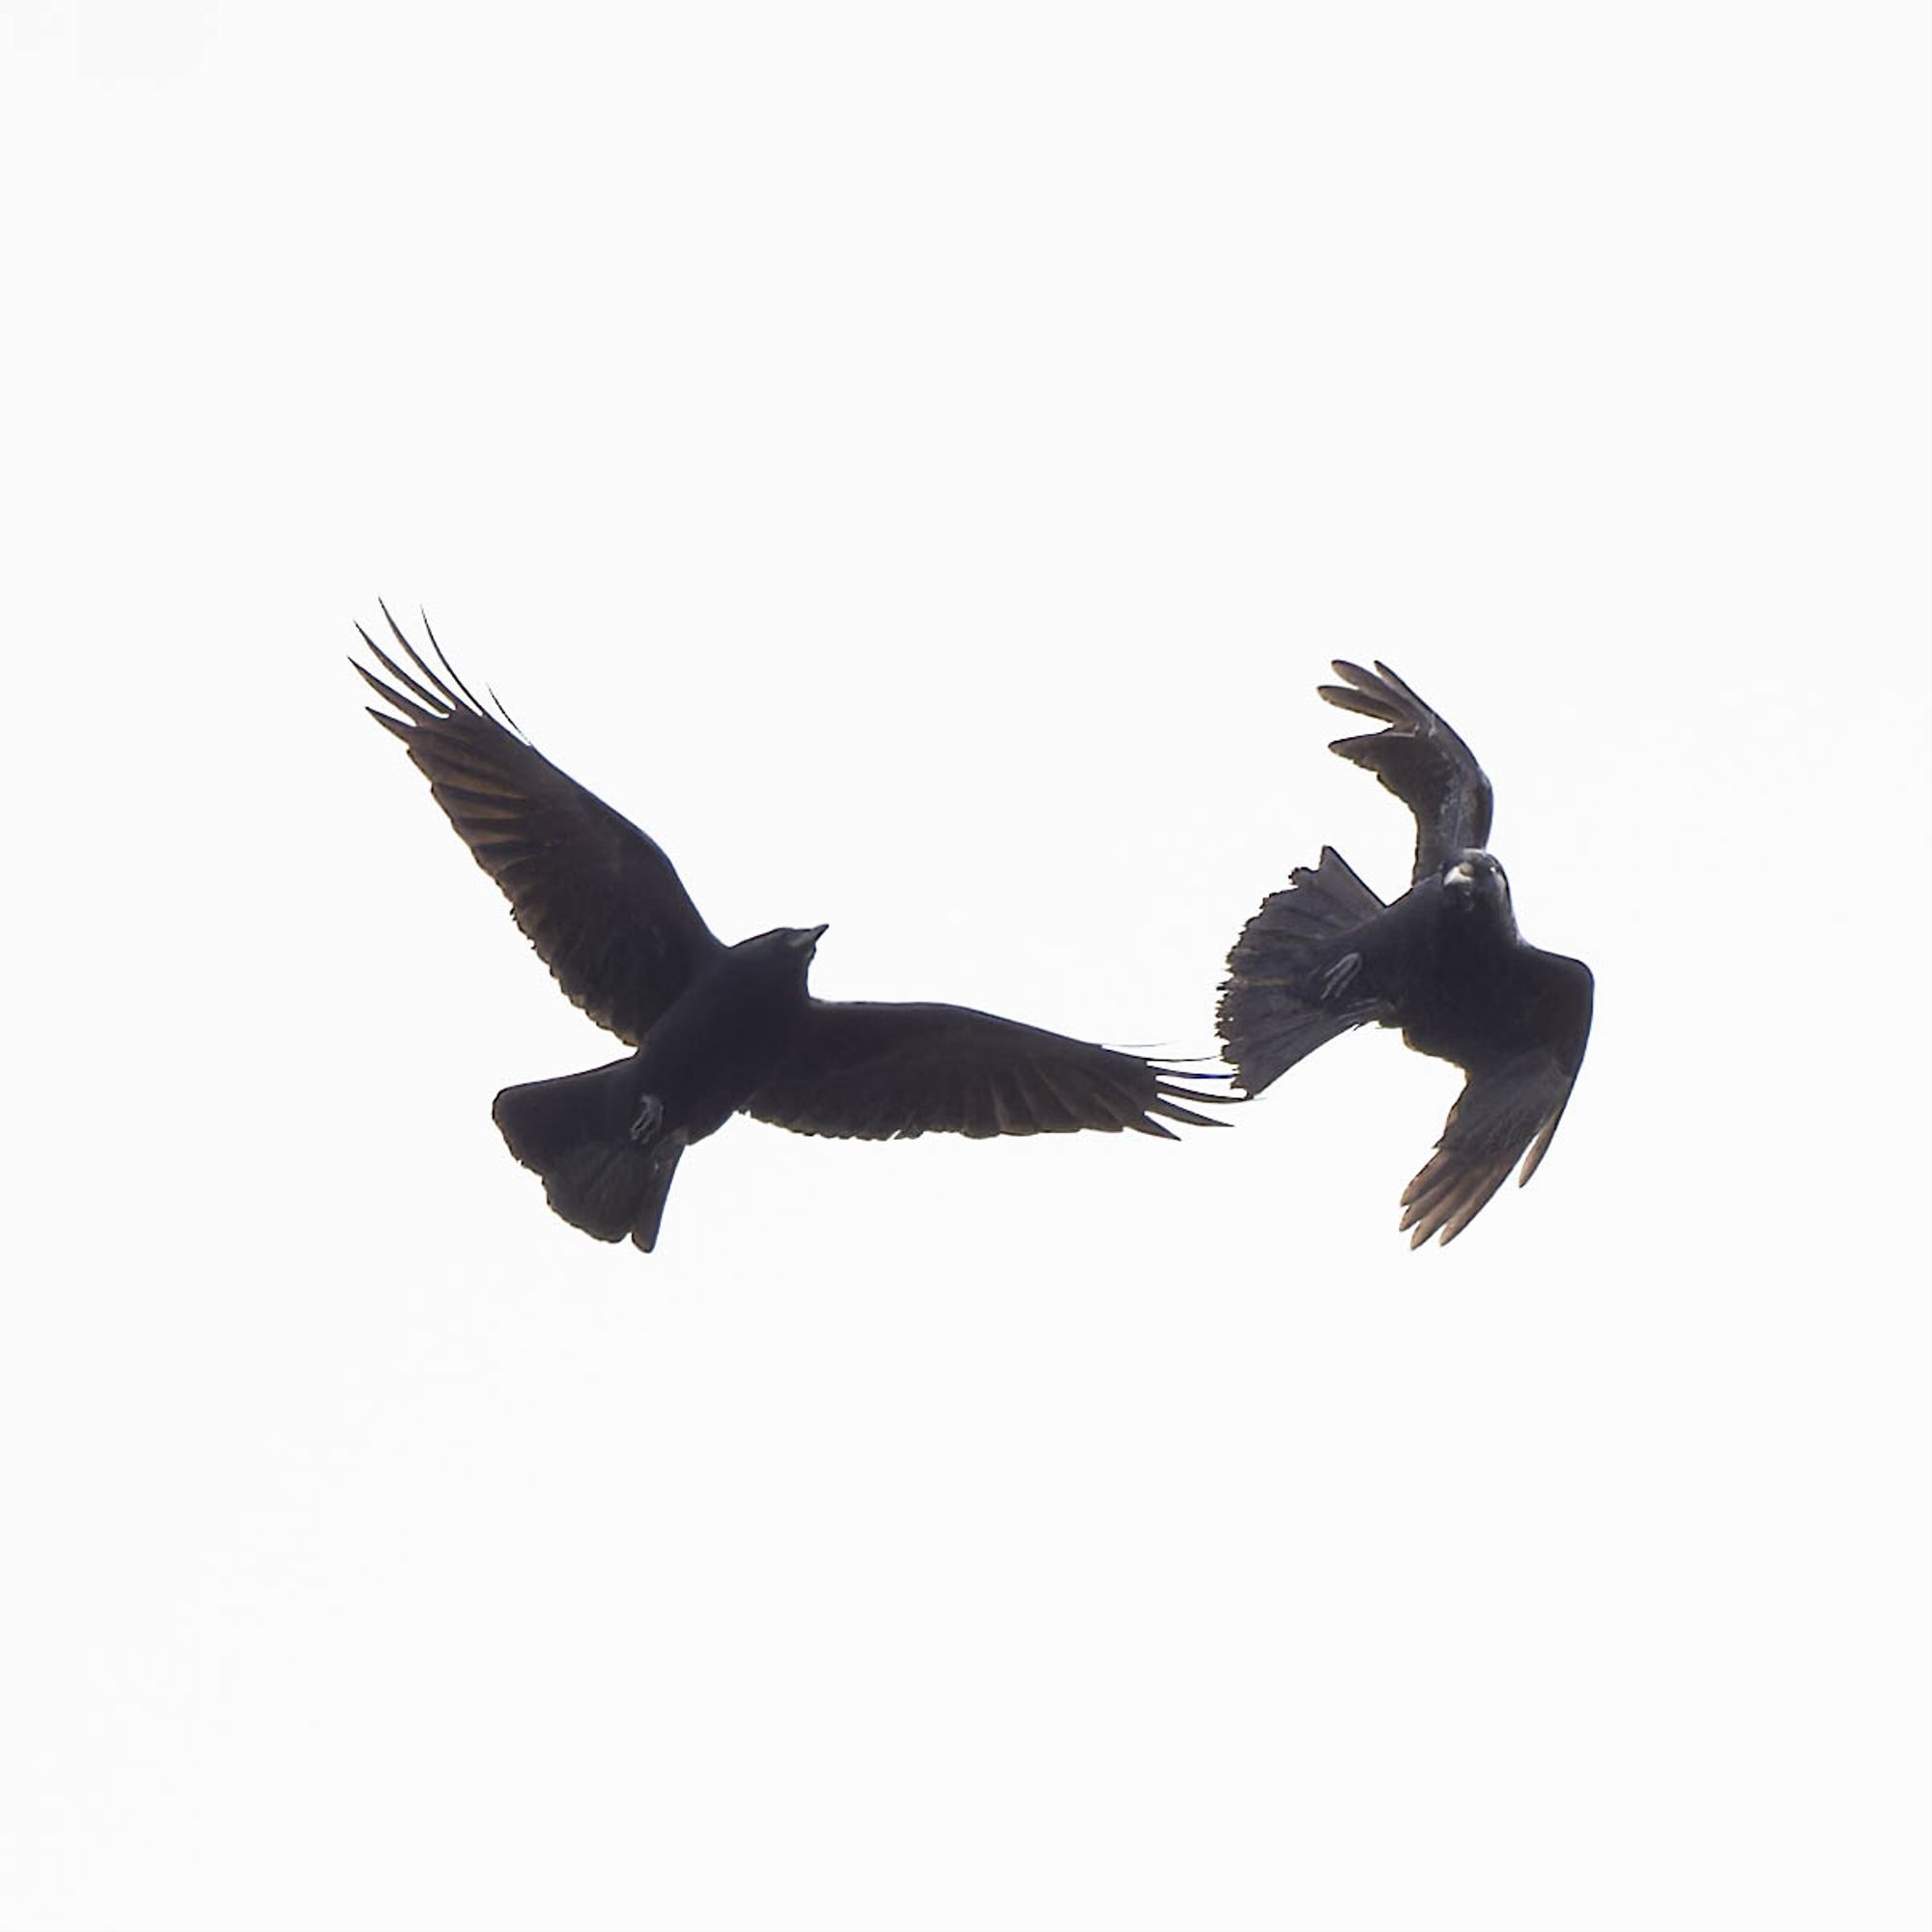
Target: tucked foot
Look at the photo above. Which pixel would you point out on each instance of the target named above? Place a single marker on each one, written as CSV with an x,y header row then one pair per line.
x,y
1337,977
650,1117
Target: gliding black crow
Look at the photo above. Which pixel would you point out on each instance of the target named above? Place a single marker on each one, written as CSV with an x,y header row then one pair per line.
x,y
716,1028
1445,963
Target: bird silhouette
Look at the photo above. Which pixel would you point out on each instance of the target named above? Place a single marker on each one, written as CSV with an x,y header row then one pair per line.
x,y
714,1030
1445,963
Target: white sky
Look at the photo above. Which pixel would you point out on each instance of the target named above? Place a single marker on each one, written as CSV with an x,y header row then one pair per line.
x,y
918,462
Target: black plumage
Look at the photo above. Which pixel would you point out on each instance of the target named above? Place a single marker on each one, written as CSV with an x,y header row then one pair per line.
x,y
1445,963
715,1029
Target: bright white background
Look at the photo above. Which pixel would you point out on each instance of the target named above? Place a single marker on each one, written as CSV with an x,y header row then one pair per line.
x,y
917,461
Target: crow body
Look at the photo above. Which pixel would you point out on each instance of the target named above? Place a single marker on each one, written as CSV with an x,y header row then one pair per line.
x,y
714,1030
1445,963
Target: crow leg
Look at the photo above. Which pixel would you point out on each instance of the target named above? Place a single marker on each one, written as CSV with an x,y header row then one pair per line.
x,y
1338,976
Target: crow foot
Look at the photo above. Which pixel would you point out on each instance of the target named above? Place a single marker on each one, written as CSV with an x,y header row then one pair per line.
x,y
1336,979
650,1117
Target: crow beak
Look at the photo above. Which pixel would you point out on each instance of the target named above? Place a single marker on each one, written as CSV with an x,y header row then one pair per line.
x,y
1461,875
810,936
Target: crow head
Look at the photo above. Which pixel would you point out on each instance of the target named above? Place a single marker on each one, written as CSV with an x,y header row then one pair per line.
x,y
1473,882
783,953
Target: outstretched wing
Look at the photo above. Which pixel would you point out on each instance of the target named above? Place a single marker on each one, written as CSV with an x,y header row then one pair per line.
x,y
598,902
1511,1103
874,1072
1418,758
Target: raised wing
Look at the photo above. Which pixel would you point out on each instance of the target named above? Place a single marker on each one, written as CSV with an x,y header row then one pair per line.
x,y
1420,759
596,897
1511,1103
873,1071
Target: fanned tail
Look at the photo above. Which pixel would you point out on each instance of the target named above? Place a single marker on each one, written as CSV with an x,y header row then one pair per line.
x,y
1286,987
575,1132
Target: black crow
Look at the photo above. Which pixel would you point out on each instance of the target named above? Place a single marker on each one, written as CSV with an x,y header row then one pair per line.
x,y
1445,963
715,1029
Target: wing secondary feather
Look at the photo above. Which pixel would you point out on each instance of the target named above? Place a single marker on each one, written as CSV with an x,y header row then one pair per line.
x,y
597,898
872,1070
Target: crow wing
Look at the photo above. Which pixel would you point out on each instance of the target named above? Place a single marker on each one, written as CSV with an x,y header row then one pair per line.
x,y
1512,1102
867,1071
597,898
1420,759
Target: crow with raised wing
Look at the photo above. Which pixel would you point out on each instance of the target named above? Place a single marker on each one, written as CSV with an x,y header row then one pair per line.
x,y
1445,963
714,1029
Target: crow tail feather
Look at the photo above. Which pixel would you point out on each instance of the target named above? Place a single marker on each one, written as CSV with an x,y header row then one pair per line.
x,y
1284,994
575,1132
